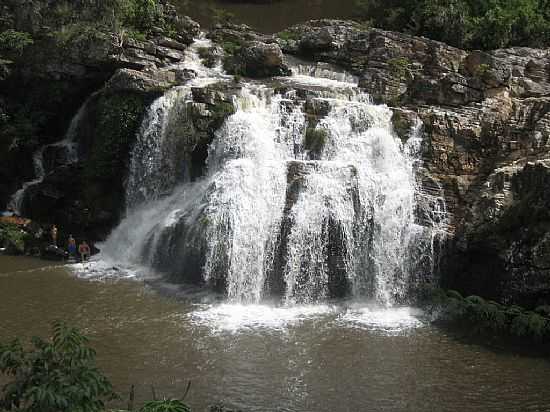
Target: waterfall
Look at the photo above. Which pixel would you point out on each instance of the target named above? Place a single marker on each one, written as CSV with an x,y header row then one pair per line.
x,y
66,148
154,166
278,212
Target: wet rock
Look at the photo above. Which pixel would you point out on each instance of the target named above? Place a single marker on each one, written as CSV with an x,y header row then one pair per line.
x,y
404,122
127,80
258,59
52,252
332,231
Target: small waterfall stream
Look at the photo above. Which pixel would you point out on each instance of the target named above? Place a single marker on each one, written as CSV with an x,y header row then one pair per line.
x,y
67,147
273,215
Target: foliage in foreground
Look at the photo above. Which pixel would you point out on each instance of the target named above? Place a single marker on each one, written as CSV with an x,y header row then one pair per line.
x,y
489,317
13,42
12,237
472,24
58,375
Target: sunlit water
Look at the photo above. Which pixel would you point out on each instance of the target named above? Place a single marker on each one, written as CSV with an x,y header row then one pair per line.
x,y
331,357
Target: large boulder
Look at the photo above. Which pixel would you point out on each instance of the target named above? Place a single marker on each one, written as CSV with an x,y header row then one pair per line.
x,y
258,59
128,80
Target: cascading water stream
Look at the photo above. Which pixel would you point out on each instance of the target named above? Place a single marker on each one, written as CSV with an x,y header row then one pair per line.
x,y
67,145
270,216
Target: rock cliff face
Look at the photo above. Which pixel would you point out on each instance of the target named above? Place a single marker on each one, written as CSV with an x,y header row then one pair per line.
x,y
486,122
485,117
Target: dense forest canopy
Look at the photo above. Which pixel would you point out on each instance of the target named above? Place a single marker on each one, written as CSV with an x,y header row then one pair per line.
x,y
471,24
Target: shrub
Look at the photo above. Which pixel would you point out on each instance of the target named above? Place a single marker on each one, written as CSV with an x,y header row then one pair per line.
x,y
13,238
400,67
454,294
171,405
483,316
221,16
208,56
482,70
230,47
58,375
14,42
474,24
119,119
288,35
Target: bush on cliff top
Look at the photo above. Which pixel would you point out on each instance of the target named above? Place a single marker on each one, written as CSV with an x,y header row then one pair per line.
x,y
472,24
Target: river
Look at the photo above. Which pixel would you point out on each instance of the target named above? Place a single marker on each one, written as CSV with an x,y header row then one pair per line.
x,y
261,358
268,17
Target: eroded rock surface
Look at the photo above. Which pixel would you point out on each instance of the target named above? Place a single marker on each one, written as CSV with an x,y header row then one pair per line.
x,y
486,125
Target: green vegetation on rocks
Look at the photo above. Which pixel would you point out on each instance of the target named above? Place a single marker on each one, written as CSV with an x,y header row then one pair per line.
x,y
472,24
56,375
208,56
13,238
60,375
221,111
13,42
119,117
487,317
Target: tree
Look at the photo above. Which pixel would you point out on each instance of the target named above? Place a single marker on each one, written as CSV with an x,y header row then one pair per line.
x,y
472,24
58,375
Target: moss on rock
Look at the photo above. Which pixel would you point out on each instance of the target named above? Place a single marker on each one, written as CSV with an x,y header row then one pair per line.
x,y
119,118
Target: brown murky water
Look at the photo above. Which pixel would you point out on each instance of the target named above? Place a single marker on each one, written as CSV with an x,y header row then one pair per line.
x,y
269,17
316,358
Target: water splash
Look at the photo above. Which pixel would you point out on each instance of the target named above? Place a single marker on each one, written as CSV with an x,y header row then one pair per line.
x,y
269,217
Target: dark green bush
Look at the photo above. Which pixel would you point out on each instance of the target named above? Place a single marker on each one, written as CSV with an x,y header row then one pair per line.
x,y
141,14
58,375
119,119
489,317
208,56
13,237
171,405
474,24
12,42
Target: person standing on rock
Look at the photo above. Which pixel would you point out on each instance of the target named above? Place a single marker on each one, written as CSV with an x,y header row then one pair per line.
x,y
71,247
54,235
84,251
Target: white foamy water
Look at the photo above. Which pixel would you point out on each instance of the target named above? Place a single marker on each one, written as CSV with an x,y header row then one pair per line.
x,y
271,216
240,318
392,321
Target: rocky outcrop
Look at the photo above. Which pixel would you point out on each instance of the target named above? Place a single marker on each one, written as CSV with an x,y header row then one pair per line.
x,y
486,124
258,59
61,68
248,53
128,80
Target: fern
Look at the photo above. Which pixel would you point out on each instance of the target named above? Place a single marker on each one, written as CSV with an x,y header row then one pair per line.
x,y
170,405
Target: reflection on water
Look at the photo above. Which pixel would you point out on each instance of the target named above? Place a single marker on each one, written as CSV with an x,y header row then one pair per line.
x,y
260,358
268,17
